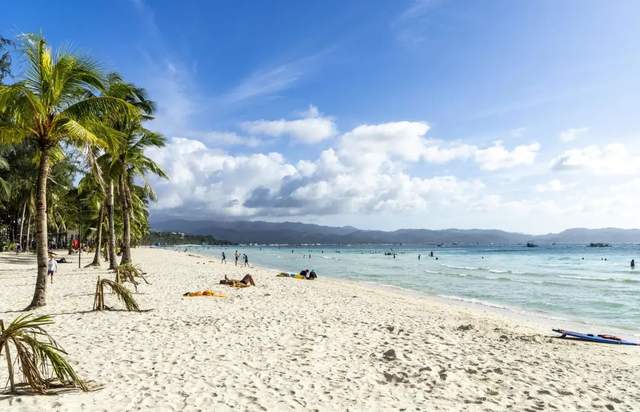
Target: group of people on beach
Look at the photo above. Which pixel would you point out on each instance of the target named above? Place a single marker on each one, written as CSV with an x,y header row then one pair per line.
x,y
237,256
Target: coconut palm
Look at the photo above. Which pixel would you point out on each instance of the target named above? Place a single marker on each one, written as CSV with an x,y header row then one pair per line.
x,y
134,163
39,357
91,189
129,161
58,101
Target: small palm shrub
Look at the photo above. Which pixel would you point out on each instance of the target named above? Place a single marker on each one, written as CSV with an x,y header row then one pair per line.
x,y
39,358
123,294
128,272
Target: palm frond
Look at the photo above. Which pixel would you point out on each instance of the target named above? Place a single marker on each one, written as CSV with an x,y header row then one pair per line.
x,y
40,358
103,107
123,294
129,272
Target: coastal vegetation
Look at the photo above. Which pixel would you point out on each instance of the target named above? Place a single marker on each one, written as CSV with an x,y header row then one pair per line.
x,y
72,156
39,358
178,238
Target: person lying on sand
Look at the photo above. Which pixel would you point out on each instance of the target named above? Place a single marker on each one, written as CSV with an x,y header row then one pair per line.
x,y
247,280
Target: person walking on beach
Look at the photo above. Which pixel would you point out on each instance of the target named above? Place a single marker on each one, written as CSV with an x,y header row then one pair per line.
x,y
52,267
237,255
246,259
224,258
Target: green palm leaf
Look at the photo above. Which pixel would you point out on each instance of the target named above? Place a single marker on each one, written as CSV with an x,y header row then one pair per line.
x,y
39,356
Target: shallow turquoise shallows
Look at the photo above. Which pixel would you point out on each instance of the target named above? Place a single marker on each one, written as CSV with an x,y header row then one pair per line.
x,y
572,282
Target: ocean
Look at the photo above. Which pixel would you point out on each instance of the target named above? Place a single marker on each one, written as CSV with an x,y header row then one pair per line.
x,y
577,283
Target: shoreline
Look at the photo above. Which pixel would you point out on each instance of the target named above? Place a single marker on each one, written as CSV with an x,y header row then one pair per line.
x,y
543,321
289,344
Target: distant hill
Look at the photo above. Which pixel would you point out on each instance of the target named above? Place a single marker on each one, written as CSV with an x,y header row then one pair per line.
x,y
297,233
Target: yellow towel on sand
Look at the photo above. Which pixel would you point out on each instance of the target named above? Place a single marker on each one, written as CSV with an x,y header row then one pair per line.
x,y
208,292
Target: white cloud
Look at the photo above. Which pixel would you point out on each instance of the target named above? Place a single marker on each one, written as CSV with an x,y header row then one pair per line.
x,y
275,78
366,172
312,128
222,138
611,159
265,82
497,157
406,141
570,135
553,185
210,182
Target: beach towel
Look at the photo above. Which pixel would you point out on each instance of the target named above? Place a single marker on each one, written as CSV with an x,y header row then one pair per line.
x,y
208,292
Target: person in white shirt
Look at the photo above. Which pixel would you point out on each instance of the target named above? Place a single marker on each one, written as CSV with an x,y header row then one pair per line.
x,y
52,267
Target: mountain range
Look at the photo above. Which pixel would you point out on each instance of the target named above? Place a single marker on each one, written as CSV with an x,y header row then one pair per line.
x,y
304,233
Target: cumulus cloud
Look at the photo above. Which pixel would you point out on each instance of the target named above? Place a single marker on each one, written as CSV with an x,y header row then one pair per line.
x,y
497,157
311,128
365,172
215,183
212,181
570,135
611,159
407,141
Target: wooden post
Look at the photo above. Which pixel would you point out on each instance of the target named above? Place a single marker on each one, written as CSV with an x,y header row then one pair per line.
x,y
9,363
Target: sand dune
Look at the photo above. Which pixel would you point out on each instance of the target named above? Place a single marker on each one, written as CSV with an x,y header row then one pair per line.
x,y
314,345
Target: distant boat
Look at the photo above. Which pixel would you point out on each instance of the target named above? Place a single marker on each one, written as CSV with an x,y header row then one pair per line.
x,y
531,244
598,244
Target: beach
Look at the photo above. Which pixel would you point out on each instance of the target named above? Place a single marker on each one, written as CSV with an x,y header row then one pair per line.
x,y
290,344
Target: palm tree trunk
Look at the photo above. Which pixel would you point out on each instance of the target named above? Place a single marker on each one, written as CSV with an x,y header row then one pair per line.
x,y
42,238
112,228
126,220
27,247
96,256
24,209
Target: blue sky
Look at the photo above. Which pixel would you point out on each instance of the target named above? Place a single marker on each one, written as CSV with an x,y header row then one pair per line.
x,y
519,115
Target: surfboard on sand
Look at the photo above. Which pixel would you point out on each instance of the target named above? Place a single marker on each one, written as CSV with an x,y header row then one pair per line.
x,y
589,337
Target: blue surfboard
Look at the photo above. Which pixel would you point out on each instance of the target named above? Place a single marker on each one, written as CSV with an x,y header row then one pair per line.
x,y
589,337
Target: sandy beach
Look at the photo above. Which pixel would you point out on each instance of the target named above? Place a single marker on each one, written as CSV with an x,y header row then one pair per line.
x,y
291,344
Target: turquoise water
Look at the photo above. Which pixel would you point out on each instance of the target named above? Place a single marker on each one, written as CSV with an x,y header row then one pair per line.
x,y
571,282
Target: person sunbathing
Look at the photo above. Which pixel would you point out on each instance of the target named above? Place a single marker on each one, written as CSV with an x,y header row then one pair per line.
x,y
247,280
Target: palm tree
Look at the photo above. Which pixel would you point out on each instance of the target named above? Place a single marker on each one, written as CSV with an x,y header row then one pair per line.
x,y
56,102
135,164
91,188
129,161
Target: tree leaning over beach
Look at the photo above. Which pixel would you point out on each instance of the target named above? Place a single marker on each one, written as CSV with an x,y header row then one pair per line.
x,y
59,101
129,162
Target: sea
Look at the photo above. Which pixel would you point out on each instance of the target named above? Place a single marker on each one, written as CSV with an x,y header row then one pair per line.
x,y
576,283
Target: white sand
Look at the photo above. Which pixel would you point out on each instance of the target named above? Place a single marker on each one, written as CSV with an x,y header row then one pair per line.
x,y
313,345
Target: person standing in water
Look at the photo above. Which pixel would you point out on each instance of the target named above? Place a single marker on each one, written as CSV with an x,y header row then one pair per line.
x,y
224,257
633,263
419,257
246,259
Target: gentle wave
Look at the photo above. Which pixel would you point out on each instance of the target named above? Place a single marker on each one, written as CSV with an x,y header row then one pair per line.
x,y
474,301
599,279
